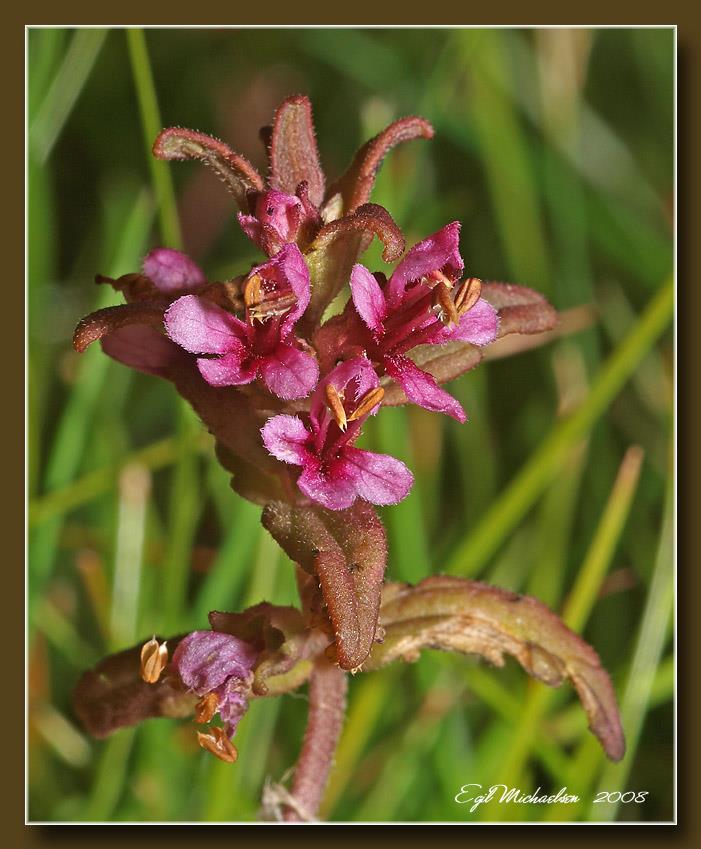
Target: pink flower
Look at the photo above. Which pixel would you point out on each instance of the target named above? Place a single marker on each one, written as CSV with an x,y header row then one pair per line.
x,y
275,221
422,304
276,295
172,271
217,667
334,473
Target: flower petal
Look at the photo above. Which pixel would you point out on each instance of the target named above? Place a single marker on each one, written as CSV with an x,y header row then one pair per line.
x,y
421,388
172,271
290,373
368,298
233,704
288,268
251,227
435,253
206,659
379,478
280,211
335,490
285,437
478,325
233,369
202,327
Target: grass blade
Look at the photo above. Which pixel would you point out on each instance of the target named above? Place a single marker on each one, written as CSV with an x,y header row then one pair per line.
x,y
545,462
60,99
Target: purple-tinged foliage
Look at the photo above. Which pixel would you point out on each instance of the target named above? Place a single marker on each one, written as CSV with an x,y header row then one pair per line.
x,y
209,663
286,397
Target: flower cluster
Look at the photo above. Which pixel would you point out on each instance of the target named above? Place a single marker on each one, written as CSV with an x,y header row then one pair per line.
x,y
286,389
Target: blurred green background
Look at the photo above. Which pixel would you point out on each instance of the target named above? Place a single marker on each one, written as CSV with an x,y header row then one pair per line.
x,y
555,150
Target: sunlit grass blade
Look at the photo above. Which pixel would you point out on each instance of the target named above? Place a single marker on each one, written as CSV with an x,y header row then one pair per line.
x,y
644,664
61,735
185,506
71,436
84,489
62,634
575,614
45,48
516,499
151,120
409,550
221,588
603,545
75,69
134,490
109,783
504,152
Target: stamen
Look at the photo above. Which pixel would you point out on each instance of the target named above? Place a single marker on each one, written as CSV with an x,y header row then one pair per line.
x,y
154,659
434,277
218,744
262,304
253,291
370,400
468,294
448,315
206,708
334,402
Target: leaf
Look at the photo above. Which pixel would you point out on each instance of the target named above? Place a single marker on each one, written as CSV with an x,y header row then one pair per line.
x,y
347,551
444,362
234,170
294,157
339,244
101,322
356,184
521,310
287,647
113,695
456,614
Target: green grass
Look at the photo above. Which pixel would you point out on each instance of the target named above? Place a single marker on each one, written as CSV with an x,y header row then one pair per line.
x,y
561,184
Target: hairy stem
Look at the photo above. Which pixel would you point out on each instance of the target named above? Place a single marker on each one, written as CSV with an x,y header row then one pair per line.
x,y
327,709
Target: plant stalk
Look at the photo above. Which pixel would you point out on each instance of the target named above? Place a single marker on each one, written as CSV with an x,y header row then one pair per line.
x,y
327,709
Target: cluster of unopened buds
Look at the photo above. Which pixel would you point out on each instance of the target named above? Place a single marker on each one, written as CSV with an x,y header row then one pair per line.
x,y
284,376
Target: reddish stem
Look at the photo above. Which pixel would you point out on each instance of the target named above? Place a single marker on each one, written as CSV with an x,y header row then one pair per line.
x,y
327,709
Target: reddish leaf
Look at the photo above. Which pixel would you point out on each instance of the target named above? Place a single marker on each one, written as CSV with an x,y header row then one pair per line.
x,y
444,362
113,695
287,647
134,287
455,614
104,321
339,244
234,170
521,310
356,184
347,551
294,157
